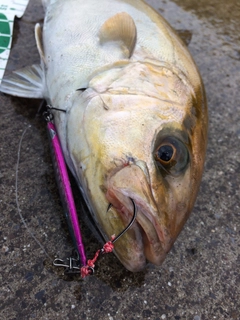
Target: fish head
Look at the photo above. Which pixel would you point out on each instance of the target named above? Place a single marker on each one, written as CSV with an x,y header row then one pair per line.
x,y
144,143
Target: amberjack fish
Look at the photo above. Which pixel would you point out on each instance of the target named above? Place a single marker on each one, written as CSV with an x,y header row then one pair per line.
x,y
135,126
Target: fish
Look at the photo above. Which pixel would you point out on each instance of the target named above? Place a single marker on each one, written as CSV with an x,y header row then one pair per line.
x,y
135,122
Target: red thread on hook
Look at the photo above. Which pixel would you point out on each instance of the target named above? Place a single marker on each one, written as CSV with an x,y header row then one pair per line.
x,y
108,247
89,268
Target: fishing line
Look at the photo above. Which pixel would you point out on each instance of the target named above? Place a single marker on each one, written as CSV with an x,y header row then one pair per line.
x,y
72,266
16,194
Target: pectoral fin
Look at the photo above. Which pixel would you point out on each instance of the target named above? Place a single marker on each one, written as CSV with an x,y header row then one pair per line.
x,y
27,82
120,28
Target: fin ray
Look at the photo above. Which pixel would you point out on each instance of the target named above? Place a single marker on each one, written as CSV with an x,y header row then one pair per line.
x,y
38,37
120,27
27,82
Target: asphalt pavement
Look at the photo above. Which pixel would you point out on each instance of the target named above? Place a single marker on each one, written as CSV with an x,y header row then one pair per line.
x,y
200,278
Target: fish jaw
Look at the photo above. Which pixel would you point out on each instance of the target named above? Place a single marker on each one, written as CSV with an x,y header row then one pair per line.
x,y
130,183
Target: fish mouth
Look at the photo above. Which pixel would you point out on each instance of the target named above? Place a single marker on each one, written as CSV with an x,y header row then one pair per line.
x,y
144,241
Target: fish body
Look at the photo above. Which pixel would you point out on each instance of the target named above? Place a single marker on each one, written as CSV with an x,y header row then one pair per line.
x,y
136,117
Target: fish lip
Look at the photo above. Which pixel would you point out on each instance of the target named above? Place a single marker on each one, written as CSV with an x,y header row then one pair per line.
x,y
145,222
151,222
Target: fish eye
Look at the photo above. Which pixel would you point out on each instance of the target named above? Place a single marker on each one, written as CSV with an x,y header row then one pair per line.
x,y
165,153
172,156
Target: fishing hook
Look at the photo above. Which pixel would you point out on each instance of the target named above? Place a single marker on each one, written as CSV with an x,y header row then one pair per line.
x,y
108,246
130,223
72,266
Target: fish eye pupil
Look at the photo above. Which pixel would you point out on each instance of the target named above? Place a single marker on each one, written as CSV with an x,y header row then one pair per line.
x,y
165,153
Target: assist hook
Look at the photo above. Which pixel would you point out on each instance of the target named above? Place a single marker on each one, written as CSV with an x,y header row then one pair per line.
x,y
109,246
130,223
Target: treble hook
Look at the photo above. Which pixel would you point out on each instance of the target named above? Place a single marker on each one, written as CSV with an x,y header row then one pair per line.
x,y
130,223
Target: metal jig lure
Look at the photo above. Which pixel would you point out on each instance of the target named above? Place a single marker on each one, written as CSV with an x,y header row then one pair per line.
x,y
72,264
65,188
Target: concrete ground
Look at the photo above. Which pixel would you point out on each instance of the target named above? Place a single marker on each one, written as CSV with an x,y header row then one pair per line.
x,y
200,278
